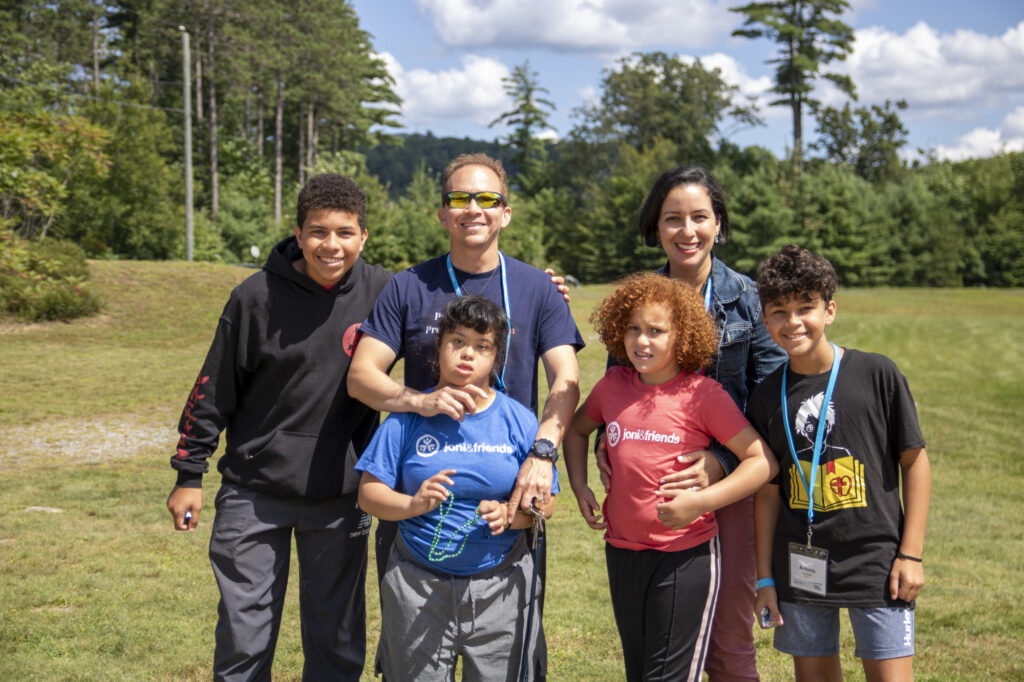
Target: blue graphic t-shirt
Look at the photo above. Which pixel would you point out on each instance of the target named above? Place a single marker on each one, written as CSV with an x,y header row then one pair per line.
x,y
409,308
485,450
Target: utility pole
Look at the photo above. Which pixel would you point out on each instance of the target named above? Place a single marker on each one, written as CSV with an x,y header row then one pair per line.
x,y
187,60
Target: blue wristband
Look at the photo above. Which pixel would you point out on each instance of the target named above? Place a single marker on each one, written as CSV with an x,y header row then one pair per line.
x,y
764,582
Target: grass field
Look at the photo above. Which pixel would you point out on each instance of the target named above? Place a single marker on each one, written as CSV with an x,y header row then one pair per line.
x,y
94,584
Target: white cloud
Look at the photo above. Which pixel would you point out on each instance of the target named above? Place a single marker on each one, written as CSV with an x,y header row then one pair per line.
x,y
588,96
950,77
1013,124
937,73
432,99
736,74
982,142
580,25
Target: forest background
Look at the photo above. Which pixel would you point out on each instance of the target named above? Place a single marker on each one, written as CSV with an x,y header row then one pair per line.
x,y
92,135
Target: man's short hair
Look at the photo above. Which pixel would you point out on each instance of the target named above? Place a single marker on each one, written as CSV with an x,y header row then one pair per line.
x,y
795,273
463,160
334,192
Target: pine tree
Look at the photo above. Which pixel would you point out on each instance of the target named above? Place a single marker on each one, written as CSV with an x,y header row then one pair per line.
x,y
809,35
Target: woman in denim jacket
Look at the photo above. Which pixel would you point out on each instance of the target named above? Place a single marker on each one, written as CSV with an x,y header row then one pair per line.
x,y
685,213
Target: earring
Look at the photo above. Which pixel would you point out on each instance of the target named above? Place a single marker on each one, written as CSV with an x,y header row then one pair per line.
x,y
718,239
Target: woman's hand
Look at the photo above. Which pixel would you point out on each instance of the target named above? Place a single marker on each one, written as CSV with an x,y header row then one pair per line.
x,y
703,470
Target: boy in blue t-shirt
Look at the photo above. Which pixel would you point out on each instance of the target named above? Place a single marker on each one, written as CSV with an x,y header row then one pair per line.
x,y
458,578
844,425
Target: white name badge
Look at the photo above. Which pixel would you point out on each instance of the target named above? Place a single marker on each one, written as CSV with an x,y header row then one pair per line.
x,y
808,568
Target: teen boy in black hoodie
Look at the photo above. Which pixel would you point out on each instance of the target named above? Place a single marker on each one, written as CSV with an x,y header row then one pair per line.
x,y
274,380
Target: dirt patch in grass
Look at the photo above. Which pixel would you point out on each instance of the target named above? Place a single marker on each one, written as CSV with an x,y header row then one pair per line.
x,y
83,441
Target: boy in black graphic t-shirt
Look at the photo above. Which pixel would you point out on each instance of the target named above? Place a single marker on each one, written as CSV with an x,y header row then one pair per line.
x,y
848,418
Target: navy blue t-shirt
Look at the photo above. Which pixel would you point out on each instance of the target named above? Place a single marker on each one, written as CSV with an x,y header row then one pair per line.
x,y
409,308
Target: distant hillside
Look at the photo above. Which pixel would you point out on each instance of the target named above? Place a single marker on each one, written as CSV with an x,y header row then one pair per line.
x,y
394,165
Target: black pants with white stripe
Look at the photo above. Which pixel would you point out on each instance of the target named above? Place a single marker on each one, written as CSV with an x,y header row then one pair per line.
x,y
664,604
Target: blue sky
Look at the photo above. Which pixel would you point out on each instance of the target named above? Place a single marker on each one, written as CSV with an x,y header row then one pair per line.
x,y
959,65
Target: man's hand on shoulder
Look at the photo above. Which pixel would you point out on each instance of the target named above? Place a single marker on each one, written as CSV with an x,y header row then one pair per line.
x,y
456,402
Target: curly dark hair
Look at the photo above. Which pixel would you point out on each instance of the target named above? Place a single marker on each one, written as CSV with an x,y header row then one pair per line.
x,y
482,316
331,191
463,160
795,273
647,226
696,336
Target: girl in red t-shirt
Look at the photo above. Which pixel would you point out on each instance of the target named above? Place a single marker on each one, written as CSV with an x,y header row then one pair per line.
x,y
661,543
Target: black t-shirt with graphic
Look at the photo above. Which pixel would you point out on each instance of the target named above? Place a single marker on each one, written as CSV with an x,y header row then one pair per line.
x,y
858,513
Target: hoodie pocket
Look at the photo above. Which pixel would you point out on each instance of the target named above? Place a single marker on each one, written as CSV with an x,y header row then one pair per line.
x,y
295,464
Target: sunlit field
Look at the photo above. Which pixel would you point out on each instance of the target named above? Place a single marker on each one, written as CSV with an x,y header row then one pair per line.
x,y
95,585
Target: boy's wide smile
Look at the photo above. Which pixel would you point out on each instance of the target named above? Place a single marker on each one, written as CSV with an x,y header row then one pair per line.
x,y
797,325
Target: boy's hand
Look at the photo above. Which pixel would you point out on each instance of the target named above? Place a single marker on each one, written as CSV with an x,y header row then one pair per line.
x,y
432,492
601,457
590,509
703,470
680,509
767,596
906,579
494,514
183,500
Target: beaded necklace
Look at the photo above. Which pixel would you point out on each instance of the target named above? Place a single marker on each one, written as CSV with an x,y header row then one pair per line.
x,y
436,554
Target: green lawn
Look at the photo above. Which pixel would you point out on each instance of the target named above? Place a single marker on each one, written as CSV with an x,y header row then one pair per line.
x,y
95,585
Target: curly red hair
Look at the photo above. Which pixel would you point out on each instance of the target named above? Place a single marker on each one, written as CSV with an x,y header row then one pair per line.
x,y
696,336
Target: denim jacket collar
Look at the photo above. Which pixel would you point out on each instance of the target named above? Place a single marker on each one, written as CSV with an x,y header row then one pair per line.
x,y
727,284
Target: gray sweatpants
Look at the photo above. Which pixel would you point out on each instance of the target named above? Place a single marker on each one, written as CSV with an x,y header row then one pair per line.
x,y
430,619
250,551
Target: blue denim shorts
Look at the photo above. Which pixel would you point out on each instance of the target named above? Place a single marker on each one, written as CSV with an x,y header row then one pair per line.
x,y
881,632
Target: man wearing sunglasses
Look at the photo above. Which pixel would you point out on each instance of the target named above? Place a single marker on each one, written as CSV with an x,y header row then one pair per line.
x,y
403,323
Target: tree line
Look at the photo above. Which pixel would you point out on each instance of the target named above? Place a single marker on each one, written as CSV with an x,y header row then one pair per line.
x,y
91,145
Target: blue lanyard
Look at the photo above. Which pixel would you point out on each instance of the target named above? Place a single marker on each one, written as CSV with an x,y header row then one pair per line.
x,y
504,299
707,305
819,434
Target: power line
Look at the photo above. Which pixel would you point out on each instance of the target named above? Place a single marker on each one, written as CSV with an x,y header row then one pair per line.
x,y
97,99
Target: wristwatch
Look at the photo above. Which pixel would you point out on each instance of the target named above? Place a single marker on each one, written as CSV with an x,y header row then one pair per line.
x,y
544,449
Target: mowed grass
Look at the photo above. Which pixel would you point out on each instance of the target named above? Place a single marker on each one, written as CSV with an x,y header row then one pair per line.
x,y
96,586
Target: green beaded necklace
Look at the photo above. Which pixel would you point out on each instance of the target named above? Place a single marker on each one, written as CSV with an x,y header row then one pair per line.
x,y
436,554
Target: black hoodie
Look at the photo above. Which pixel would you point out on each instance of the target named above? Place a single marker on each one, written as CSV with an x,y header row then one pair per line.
x,y
274,379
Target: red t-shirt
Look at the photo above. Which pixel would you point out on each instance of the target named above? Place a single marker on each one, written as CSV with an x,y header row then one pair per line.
x,y
646,428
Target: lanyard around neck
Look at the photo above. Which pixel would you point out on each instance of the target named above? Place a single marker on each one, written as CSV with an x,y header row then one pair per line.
x,y
819,433
707,306
505,303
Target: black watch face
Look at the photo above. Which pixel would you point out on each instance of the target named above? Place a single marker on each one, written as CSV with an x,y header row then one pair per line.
x,y
544,448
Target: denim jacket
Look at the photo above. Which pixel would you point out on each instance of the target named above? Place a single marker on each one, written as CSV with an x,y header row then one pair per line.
x,y
746,353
